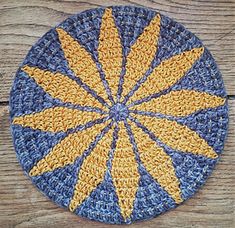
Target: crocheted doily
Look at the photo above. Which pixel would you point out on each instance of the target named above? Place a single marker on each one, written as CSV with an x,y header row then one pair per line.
x,y
118,114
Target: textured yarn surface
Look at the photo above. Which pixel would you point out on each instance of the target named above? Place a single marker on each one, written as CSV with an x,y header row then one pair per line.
x,y
118,114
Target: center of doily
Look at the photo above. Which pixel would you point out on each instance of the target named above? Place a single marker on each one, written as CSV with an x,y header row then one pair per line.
x,y
119,112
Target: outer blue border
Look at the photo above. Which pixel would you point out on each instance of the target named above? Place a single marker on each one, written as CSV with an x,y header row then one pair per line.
x,y
32,145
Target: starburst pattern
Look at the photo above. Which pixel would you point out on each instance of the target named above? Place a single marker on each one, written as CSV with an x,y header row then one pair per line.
x,y
116,117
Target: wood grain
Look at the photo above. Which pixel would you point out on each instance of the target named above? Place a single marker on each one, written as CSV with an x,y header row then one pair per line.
x,y
21,25
22,205
23,22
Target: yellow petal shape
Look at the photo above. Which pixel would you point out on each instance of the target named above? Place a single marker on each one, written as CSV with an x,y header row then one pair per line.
x,y
177,136
110,51
56,119
180,103
167,73
125,173
92,171
141,54
81,62
67,150
62,87
157,163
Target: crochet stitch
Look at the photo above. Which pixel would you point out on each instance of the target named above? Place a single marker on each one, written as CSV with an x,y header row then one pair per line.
x,y
118,114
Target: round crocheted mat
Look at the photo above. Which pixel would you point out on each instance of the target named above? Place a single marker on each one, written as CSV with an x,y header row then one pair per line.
x,y
118,114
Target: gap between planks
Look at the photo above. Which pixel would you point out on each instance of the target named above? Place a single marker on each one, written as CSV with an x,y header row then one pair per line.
x,y
23,22
22,205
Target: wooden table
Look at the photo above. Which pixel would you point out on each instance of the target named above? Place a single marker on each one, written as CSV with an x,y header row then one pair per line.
x,y
23,22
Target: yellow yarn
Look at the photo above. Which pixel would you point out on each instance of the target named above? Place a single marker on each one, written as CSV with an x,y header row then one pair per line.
x,y
167,73
66,151
157,163
92,171
81,62
141,54
56,119
62,87
177,136
124,168
181,103
110,51
125,173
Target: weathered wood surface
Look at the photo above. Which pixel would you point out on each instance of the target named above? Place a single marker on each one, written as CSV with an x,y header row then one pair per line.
x,y
22,205
23,22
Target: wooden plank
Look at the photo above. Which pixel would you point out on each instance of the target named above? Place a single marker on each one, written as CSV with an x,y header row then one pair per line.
x,y
23,22
22,205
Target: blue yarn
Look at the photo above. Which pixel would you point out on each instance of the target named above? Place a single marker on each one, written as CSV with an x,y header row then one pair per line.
x,y
41,53
191,170
151,198
28,96
209,80
131,21
119,112
32,145
59,184
210,124
102,204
